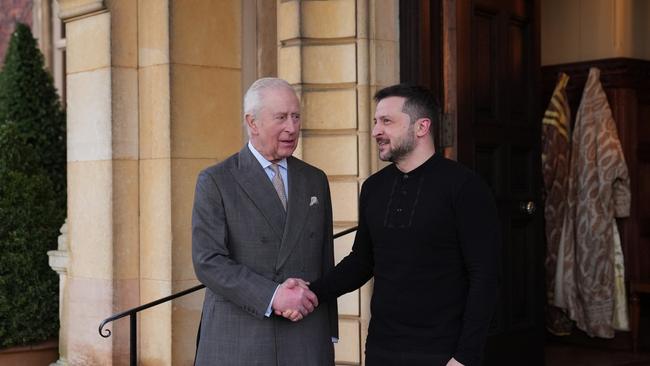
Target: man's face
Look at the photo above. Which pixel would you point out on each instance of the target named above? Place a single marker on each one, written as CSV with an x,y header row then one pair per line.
x,y
274,131
393,130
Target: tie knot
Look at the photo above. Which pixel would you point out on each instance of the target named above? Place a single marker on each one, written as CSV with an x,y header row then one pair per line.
x,y
275,168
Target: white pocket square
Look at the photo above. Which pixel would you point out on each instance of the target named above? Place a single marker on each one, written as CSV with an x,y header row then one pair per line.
x,y
313,201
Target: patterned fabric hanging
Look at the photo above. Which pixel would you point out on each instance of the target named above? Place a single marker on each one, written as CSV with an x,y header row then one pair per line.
x,y
599,191
556,127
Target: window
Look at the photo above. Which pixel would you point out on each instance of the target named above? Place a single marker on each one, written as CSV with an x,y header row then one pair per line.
x,y
58,52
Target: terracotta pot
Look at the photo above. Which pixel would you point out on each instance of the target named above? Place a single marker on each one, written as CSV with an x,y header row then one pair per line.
x,y
40,354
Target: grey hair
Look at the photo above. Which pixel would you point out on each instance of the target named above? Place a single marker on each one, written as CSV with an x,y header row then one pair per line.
x,y
253,96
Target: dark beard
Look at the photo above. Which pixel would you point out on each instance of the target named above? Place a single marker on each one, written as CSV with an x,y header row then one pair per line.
x,y
403,149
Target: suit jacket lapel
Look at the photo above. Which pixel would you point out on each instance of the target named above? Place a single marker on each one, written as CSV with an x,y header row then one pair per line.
x,y
297,210
251,177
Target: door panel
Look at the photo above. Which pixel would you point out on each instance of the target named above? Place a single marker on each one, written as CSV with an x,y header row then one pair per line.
x,y
499,136
484,73
517,69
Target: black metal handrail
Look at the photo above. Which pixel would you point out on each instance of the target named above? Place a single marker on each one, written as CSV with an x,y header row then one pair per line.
x,y
132,313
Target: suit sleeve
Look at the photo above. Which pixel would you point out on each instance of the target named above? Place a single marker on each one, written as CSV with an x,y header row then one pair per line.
x,y
480,241
211,254
354,270
328,258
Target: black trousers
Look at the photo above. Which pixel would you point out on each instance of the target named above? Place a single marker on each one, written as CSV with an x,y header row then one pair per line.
x,y
377,356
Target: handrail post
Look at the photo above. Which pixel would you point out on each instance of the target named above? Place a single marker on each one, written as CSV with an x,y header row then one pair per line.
x,y
134,339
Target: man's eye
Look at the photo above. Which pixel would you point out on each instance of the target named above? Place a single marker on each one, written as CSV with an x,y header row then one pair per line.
x,y
281,117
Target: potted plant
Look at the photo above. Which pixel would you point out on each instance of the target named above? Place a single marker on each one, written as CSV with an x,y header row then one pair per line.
x,y
32,201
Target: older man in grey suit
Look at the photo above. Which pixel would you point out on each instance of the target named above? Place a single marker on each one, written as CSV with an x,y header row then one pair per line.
x,y
262,216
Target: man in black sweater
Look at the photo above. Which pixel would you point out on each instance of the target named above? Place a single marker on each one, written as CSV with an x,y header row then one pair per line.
x,y
429,234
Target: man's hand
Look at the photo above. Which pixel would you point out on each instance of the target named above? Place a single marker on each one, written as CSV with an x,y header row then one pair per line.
x,y
294,300
453,362
293,282
292,314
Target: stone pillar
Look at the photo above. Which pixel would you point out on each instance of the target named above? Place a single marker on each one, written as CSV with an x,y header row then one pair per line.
x,y
103,204
190,93
59,263
337,54
155,166
42,29
143,119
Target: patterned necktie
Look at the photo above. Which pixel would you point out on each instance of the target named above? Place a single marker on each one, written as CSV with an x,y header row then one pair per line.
x,y
278,184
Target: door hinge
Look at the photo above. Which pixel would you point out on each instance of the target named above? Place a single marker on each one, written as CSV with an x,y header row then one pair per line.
x,y
447,130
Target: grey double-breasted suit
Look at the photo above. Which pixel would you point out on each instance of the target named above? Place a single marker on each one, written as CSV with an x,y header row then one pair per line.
x,y
243,245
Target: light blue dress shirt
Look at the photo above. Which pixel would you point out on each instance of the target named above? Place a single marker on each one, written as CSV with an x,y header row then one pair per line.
x,y
267,168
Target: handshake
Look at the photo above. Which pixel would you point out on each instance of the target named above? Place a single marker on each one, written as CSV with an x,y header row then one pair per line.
x,y
294,300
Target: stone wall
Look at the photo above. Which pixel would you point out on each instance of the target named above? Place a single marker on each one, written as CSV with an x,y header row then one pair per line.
x,y
583,30
154,96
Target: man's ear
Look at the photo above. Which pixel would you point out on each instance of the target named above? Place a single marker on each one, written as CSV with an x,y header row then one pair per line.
x,y
423,126
250,122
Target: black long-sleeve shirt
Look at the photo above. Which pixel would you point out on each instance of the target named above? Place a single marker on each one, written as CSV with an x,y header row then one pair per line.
x,y
430,237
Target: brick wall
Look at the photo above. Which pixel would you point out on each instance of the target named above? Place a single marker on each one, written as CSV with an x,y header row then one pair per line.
x,y
12,11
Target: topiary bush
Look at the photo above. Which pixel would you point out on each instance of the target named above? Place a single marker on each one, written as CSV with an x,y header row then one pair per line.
x,y
32,193
28,97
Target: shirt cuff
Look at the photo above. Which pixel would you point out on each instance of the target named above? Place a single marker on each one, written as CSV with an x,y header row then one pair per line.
x,y
269,309
335,340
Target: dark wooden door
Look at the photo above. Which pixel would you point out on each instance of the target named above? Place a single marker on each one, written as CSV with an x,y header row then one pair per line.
x,y
498,135
421,48
499,126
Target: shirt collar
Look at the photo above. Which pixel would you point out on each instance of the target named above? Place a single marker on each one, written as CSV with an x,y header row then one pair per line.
x,y
422,167
262,160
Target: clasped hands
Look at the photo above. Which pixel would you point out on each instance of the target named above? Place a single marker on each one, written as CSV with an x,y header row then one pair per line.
x,y
294,300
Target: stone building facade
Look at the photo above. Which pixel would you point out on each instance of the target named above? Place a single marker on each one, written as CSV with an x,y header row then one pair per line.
x,y
153,91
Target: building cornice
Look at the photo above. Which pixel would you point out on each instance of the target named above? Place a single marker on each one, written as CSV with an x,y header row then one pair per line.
x,y
69,9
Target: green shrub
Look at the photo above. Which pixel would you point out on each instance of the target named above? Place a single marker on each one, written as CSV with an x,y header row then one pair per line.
x,y
32,193
28,97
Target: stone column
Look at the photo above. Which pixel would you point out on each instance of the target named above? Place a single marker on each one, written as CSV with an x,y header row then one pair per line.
x,y
337,54
59,263
143,119
190,93
42,29
103,204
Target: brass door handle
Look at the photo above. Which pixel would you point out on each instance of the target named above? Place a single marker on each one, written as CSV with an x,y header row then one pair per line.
x,y
528,208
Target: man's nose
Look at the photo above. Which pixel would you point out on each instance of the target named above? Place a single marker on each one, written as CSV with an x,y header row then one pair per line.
x,y
292,124
376,130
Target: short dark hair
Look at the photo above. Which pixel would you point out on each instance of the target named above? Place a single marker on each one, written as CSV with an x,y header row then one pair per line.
x,y
419,103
